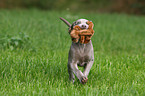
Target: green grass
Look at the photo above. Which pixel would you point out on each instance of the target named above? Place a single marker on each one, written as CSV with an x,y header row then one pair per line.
x,y
40,67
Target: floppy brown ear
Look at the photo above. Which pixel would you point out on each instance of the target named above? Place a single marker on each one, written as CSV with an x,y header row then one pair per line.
x,y
91,25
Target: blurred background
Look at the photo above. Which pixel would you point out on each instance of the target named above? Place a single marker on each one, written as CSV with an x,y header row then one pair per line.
x,y
110,6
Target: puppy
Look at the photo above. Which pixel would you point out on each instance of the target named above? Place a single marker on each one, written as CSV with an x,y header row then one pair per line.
x,y
80,54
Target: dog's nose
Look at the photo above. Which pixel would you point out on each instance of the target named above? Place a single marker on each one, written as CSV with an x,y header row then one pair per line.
x,y
83,26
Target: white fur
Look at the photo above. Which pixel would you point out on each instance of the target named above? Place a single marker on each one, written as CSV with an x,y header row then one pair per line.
x,y
81,23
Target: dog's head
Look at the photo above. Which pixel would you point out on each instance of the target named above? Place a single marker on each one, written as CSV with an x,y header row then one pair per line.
x,y
82,23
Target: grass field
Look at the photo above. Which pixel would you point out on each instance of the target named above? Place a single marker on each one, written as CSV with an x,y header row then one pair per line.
x,y
34,49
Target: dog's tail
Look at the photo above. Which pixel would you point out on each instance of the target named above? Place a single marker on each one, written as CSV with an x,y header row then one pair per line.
x,y
66,22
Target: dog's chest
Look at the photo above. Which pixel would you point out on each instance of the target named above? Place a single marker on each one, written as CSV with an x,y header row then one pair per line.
x,y
83,56
83,60
81,53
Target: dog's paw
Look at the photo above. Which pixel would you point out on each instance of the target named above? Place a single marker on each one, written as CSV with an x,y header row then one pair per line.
x,y
84,80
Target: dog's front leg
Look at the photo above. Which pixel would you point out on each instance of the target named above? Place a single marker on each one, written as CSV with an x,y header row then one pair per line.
x,y
78,73
88,67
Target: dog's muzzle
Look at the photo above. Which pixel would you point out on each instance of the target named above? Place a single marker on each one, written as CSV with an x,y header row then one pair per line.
x,y
83,26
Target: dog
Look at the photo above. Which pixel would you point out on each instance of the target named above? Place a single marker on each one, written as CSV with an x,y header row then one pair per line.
x,y
80,54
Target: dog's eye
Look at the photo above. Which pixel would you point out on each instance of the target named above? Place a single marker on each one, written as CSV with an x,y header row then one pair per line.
x,y
78,22
87,23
